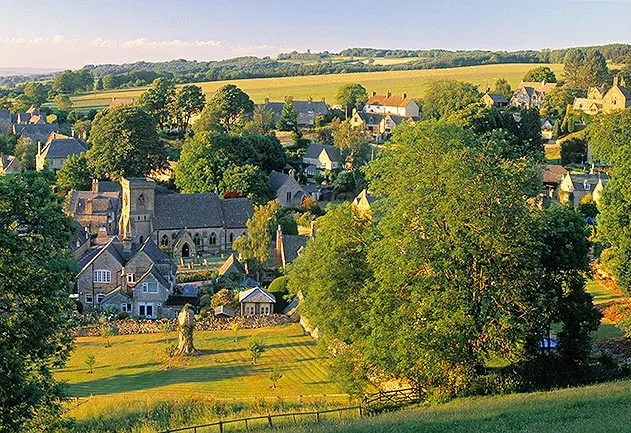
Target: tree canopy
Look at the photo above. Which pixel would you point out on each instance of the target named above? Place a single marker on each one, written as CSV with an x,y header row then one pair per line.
x,y
158,100
36,274
228,107
444,97
539,74
124,143
352,96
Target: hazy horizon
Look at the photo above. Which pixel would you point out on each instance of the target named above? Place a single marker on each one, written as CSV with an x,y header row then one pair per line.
x,y
68,34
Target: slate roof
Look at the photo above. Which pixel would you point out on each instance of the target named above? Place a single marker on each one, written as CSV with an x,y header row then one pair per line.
x,y
292,245
153,270
317,107
176,211
236,211
113,247
224,310
150,248
277,180
5,114
314,151
554,173
542,87
10,164
101,202
231,265
256,294
370,118
248,282
36,131
180,300
498,98
105,186
63,148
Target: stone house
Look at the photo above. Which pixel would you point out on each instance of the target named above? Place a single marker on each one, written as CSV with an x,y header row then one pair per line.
x,y
618,97
377,126
98,210
322,156
307,110
37,133
391,104
363,202
495,100
256,301
288,247
56,151
138,281
531,95
574,187
286,189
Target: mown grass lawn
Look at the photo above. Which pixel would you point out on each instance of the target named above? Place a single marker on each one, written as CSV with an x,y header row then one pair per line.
x,y
133,369
325,86
603,295
592,409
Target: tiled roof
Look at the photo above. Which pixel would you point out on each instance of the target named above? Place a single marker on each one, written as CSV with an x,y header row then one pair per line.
x,y
370,118
10,163
113,247
154,252
314,151
36,131
389,101
292,245
236,212
4,114
105,186
498,98
101,202
554,173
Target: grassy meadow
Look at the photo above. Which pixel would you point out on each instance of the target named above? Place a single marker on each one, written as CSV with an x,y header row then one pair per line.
x,y
603,295
134,371
591,409
325,86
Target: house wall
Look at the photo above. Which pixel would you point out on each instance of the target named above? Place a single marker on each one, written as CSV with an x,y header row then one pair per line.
x,y
157,300
85,282
290,186
246,308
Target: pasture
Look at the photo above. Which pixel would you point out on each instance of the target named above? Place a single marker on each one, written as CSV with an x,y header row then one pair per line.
x,y
591,409
325,86
135,371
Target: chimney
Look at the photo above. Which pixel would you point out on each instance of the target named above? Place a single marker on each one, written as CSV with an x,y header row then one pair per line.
x,y
267,100
324,100
39,147
389,93
95,185
405,95
374,93
309,99
615,80
88,206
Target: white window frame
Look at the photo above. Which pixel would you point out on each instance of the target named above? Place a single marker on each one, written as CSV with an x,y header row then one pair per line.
x,y
145,288
126,307
102,276
88,298
146,305
100,296
131,278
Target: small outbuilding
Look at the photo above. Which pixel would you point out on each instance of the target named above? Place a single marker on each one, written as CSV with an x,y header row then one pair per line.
x,y
256,301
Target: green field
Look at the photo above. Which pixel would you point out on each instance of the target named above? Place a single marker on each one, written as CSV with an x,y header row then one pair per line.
x,y
325,86
599,408
604,295
133,370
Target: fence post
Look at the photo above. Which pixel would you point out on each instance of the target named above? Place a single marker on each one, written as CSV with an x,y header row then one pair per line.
x,y
360,411
318,416
246,424
194,429
294,418
220,426
269,420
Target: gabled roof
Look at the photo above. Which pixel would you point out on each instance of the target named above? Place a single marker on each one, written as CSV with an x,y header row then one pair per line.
x,y
153,271
36,131
276,180
113,247
292,244
101,202
62,147
248,282
152,251
370,118
389,101
314,151
554,173
542,87
105,186
231,265
9,163
256,294
301,107
5,114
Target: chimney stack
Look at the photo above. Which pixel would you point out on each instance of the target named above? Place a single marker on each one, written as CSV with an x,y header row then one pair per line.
x,y
374,93
405,95
267,100
389,93
615,80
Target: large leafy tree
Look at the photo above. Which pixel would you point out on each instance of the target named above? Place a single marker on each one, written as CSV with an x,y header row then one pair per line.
x,y
593,70
444,97
539,74
75,174
254,247
229,107
352,96
610,140
560,97
189,100
124,143
158,100
36,273
36,92
502,86
245,181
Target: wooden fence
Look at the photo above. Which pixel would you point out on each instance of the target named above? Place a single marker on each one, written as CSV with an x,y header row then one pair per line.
x,y
372,403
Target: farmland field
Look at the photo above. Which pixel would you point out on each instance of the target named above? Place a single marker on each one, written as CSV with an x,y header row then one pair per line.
x,y
133,370
325,86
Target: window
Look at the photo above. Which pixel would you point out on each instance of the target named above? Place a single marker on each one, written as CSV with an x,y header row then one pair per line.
x,y
102,276
197,239
140,202
289,196
88,298
164,241
145,309
213,239
126,308
150,287
99,298
131,278
231,237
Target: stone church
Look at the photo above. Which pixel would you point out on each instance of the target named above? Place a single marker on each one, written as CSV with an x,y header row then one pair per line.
x,y
185,224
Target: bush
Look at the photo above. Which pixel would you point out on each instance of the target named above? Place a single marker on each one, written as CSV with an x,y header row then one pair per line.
x,y
278,288
572,151
199,275
122,315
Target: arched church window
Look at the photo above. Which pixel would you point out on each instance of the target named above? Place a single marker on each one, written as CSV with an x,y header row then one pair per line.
x,y
197,239
140,201
213,239
164,241
231,237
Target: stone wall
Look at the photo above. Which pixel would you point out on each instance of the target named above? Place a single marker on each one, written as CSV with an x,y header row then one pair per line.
x,y
131,327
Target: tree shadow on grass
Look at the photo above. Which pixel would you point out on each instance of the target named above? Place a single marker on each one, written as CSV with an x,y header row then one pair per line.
x,y
158,378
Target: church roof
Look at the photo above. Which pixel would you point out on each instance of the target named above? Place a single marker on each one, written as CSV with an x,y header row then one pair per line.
x,y
236,212
176,211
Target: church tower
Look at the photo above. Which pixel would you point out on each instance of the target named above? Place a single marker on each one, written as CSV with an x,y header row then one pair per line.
x,y
136,222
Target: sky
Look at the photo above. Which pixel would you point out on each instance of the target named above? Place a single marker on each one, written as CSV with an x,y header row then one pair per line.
x,y
72,33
